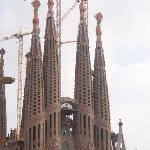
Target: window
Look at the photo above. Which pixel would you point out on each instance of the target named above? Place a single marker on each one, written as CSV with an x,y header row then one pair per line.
x,y
45,130
84,121
50,121
102,136
34,133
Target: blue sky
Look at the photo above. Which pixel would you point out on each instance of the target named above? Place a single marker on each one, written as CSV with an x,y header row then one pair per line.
x,y
126,36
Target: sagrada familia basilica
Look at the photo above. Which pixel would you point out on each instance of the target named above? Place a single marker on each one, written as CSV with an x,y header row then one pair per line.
x,y
52,122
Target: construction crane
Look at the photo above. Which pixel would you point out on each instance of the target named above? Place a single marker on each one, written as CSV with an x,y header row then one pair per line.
x,y
70,9
59,19
18,36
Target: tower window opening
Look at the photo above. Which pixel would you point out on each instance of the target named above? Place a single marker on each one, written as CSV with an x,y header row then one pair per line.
x,y
102,136
50,121
45,130
84,121
34,133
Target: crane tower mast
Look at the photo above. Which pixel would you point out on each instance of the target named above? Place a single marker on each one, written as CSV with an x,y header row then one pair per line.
x,y
59,19
18,36
58,34
19,91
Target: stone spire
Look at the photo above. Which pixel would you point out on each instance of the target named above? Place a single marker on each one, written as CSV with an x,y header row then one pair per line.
x,y
83,88
34,126
26,101
51,83
3,120
120,139
102,131
99,18
35,43
82,32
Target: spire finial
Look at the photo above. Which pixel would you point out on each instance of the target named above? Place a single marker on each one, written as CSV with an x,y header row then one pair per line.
x,y
2,52
120,122
82,11
99,18
36,4
50,6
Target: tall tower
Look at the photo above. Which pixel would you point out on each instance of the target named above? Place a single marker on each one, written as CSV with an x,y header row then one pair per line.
x,y
83,87
120,138
102,130
26,100
34,126
51,83
3,120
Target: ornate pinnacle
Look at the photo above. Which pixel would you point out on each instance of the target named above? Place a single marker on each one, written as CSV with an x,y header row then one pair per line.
x,y
82,11
120,123
50,6
99,18
36,4
2,52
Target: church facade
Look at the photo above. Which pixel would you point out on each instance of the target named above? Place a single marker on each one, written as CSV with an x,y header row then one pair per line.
x,y
52,122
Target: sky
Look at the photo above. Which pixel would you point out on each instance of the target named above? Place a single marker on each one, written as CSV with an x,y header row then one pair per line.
x,y
126,36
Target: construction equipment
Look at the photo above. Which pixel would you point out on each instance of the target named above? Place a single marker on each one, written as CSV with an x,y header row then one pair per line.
x,y
70,9
59,19
68,42
18,36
